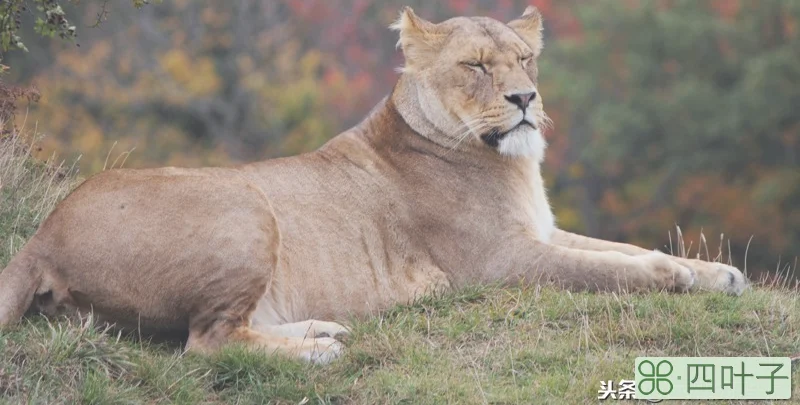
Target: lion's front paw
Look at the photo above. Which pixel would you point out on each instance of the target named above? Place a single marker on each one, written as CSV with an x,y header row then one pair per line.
x,y
329,329
323,351
717,277
668,274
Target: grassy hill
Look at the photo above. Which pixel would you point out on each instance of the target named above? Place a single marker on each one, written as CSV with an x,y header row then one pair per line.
x,y
484,345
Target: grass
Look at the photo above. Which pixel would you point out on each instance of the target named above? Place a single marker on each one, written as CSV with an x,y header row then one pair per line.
x,y
482,345
29,189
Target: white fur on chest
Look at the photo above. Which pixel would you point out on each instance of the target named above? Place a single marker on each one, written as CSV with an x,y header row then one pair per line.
x,y
538,208
530,145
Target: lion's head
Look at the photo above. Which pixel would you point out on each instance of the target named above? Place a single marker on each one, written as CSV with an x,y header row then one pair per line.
x,y
474,80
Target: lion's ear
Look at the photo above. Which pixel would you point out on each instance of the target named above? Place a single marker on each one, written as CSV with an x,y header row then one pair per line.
x,y
529,28
420,40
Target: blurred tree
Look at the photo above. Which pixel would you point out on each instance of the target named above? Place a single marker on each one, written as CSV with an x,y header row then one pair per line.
x,y
682,112
50,20
192,82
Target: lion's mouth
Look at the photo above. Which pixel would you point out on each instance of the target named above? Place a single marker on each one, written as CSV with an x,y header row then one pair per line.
x,y
493,137
524,123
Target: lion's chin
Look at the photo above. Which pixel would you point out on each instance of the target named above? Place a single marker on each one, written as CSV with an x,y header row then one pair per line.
x,y
523,140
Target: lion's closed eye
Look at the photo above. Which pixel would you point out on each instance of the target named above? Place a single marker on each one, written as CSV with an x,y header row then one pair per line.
x,y
475,65
524,60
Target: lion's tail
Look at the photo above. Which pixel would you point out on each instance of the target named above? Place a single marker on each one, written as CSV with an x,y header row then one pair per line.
x,y
18,283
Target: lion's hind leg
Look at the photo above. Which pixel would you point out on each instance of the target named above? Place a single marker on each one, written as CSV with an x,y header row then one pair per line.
x,y
320,350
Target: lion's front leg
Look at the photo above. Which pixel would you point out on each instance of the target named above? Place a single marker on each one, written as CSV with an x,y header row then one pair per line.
x,y
573,240
710,276
580,270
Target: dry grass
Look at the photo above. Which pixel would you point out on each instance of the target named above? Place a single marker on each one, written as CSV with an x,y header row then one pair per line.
x,y
9,98
29,189
483,345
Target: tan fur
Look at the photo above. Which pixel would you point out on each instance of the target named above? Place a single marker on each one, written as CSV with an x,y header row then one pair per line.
x,y
438,188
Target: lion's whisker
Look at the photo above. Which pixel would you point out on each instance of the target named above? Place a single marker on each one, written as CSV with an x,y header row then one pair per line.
x,y
465,135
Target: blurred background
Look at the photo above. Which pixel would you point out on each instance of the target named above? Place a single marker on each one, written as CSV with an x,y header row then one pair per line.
x,y
666,111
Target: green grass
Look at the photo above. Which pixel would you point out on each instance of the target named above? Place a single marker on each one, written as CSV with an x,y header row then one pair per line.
x,y
480,345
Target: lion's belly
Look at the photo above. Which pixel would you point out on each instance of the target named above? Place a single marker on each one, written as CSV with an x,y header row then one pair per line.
x,y
342,262
358,283
358,292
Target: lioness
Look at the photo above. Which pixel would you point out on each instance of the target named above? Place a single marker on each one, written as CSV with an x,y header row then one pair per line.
x,y
439,187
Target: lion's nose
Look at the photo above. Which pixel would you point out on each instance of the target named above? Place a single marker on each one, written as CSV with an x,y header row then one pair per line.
x,y
521,100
